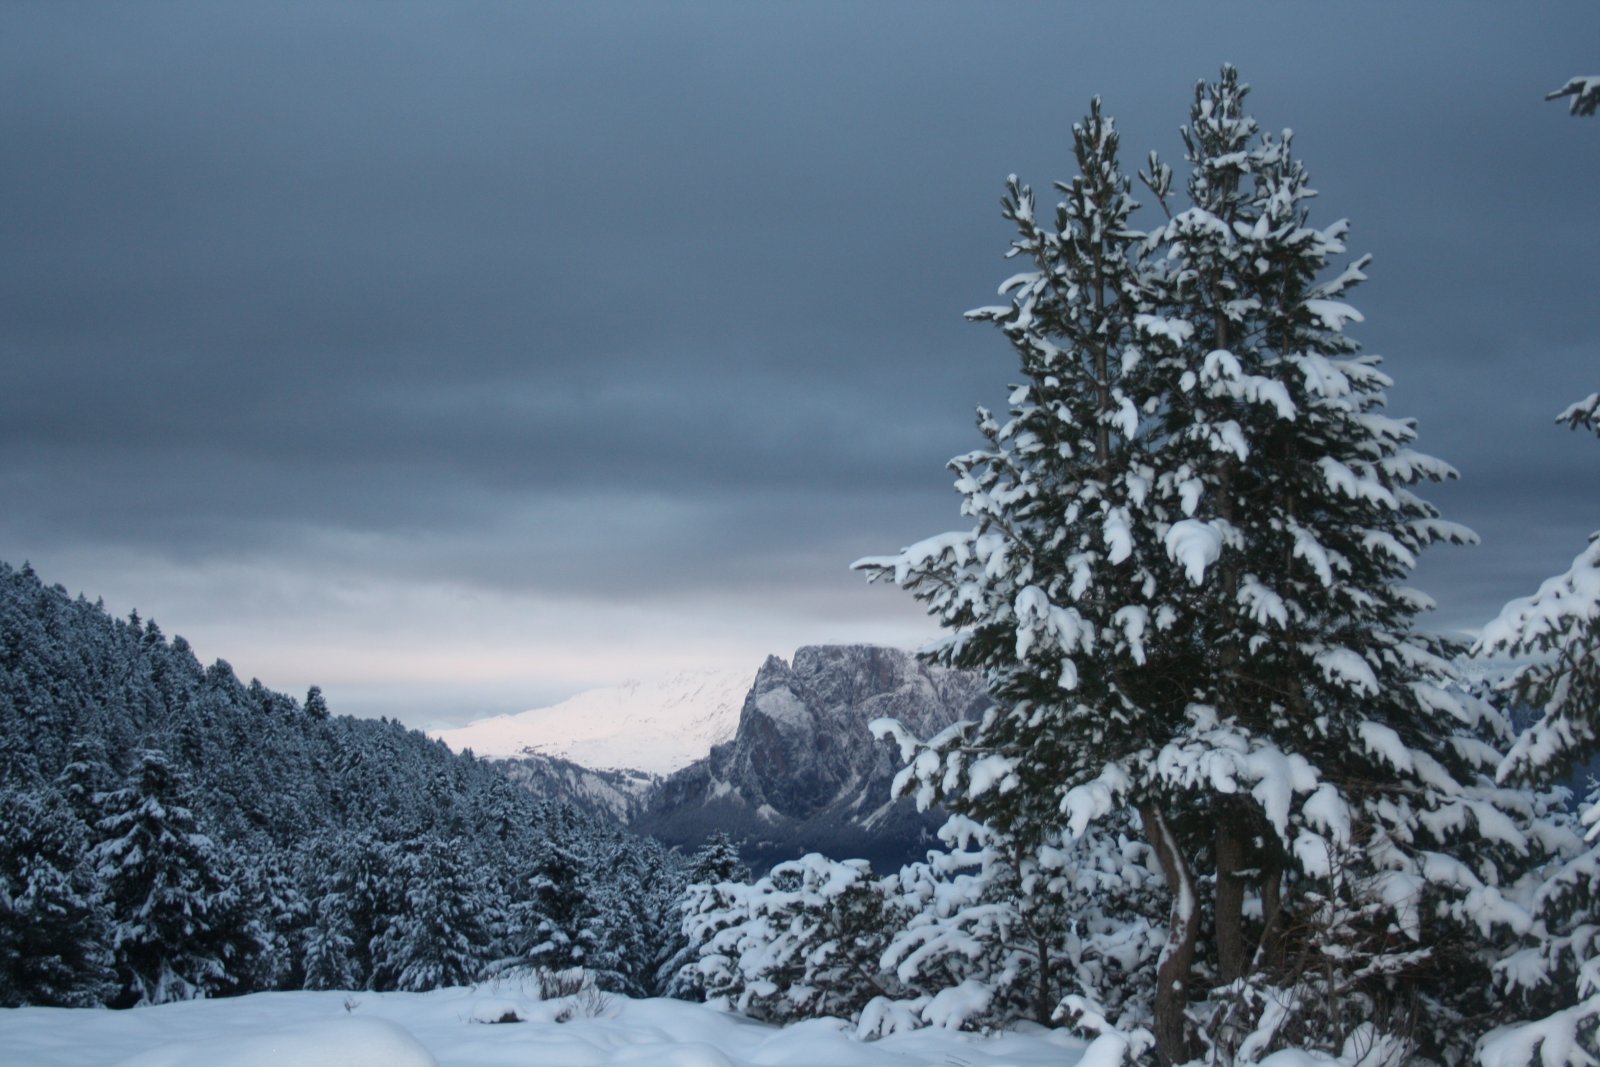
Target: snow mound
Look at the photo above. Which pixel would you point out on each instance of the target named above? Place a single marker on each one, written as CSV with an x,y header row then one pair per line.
x,y
443,1029
348,1042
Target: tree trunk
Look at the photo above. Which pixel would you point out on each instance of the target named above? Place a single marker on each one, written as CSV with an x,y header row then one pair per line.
x,y
1174,1042
1233,949
1044,1006
1270,952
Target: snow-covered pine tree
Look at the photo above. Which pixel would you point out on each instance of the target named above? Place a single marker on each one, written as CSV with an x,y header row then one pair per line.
x,y
1046,593
53,932
1057,593
717,861
359,891
441,936
805,941
555,913
176,931
83,778
998,933
705,964
328,960
1556,632
1559,628
1192,601
1320,697
277,914
638,925
316,704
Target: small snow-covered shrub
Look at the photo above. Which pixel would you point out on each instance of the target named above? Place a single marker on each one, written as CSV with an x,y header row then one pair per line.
x,y
556,984
980,935
1029,926
805,941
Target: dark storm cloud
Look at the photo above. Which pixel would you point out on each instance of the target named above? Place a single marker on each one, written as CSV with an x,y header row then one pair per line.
x,y
379,298
665,300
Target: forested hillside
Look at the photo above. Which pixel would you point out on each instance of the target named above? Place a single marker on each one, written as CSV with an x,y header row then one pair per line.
x,y
172,832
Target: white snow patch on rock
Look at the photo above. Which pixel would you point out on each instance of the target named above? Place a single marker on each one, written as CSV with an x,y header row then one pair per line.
x,y
783,707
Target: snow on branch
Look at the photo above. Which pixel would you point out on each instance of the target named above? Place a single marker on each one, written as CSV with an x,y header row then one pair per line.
x,y
1194,545
1585,93
1584,414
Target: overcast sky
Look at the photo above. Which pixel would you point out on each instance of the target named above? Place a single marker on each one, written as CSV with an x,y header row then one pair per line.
x,y
457,357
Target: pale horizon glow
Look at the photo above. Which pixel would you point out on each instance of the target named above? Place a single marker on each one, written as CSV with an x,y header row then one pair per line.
x,y
488,652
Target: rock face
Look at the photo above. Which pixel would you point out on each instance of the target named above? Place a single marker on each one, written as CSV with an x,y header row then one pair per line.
x,y
619,795
803,773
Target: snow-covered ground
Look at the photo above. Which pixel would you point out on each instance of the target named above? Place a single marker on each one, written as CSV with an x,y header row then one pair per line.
x,y
657,726
453,1028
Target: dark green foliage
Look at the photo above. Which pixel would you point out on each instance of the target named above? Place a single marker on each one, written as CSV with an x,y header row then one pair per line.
x,y
316,705
717,861
178,924
53,934
441,932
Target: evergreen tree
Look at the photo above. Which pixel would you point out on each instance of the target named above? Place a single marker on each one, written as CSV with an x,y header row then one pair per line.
x,y
1028,930
1556,971
1305,519
1559,628
805,941
355,901
714,880
629,926
329,957
83,779
53,931
276,914
175,932
717,861
1059,565
442,934
316,704
1185,590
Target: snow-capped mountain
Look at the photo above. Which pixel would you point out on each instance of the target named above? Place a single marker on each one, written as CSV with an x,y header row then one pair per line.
x,y
657,726
803,773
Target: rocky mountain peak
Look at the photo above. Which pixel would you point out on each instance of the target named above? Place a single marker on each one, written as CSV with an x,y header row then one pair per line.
x,y
803,768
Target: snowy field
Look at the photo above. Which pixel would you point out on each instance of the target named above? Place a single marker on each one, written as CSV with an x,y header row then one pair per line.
x,y
454,1028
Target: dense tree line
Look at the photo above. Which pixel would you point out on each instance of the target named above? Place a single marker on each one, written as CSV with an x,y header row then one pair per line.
x,y
171,832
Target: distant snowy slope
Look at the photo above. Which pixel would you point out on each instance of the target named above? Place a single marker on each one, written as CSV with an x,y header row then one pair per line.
x,y
655,726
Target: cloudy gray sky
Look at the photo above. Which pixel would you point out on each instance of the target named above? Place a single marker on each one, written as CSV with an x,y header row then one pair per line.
x,y
456,357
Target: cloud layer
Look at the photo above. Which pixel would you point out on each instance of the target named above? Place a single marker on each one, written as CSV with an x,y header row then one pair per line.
x,y
456,357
